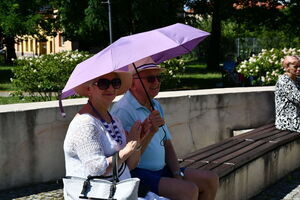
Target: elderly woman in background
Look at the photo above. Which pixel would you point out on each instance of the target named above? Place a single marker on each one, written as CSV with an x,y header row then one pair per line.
x,y
287,96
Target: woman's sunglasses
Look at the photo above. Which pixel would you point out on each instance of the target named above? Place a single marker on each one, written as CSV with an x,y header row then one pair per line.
x,y
103,83
151,79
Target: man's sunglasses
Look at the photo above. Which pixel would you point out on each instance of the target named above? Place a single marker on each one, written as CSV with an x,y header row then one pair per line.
x,y
151,79
103,83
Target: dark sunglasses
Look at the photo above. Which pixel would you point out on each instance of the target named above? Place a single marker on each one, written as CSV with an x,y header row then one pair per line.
x,y
151,79
103,83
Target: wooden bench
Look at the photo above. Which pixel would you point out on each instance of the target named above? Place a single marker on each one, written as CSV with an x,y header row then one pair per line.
x,y
230,155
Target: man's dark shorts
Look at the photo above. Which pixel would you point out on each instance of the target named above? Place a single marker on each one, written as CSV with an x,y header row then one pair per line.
x,y
150,178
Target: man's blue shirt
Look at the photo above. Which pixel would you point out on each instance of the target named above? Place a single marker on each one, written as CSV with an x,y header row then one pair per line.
x,y
129,110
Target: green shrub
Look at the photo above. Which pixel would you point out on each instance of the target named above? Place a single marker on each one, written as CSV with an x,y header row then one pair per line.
x,y
171,77
44,76
265,67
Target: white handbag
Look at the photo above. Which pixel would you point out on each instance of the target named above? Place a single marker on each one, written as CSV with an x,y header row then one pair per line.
x,y
93,187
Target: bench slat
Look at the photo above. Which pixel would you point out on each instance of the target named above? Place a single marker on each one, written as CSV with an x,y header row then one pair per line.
x,y
259,151
205,149
204,155
255,131
276,136
223,170
239,152
227,159
232,153
229,151
266,134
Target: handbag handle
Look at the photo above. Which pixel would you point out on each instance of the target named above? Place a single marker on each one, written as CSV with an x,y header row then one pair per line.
x,y
115,167
115,175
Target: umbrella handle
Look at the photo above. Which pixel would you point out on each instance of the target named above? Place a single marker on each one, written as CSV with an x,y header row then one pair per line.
x,y
62,111
148,97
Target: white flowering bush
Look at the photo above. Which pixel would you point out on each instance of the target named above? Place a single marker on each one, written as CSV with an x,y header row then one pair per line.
x,y
265,67
174,68
42,77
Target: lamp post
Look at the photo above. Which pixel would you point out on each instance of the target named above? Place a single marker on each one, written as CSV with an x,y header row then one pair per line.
x,y
109,20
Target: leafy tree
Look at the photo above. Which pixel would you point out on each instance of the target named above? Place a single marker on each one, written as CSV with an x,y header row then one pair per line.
x,y
218,10
89,24
250,17
24,17
84,21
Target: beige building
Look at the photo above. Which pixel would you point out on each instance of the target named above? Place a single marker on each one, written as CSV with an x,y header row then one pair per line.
x,y
30,46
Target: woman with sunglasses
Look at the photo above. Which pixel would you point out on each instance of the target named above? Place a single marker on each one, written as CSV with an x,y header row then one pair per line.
x,y
287,96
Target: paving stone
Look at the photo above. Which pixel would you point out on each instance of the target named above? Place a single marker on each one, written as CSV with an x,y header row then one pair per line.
x,y
287,188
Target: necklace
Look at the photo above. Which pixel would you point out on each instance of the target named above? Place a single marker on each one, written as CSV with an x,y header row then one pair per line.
x,y
115,134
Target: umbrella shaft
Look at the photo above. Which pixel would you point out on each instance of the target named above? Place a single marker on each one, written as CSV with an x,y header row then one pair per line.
x,y
148,97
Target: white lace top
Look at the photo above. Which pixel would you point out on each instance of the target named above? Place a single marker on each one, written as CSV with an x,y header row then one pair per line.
x,y
88,144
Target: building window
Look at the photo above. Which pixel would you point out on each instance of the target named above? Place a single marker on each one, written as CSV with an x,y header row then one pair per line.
x,y
26,45
31,45
61,40
51,46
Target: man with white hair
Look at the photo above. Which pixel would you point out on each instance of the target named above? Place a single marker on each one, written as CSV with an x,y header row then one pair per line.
x,y
287,96
159,168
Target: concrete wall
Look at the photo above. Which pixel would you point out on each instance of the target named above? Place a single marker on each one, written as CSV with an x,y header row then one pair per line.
x,y
32,134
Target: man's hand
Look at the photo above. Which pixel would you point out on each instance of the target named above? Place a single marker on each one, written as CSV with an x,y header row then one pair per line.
x,y
156,121
146,128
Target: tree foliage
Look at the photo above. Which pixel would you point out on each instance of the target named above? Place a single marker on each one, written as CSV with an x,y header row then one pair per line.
x,y
89,24
251,17
266,66
24,17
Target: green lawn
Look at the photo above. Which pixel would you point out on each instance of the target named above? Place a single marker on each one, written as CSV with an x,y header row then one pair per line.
x,y
7,87
197,76
202,76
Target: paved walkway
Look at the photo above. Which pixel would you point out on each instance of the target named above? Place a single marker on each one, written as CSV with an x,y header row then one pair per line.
x,y
287,188
5,93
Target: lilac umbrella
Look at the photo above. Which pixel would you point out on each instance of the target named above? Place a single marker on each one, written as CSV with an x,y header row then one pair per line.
x,y
161,44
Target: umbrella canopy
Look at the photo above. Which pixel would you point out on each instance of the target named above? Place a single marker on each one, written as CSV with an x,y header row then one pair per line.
x,y
161,44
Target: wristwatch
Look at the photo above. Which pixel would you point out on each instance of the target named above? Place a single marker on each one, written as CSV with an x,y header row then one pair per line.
x,y
179,173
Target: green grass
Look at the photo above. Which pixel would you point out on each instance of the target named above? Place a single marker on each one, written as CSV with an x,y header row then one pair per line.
x,y
7,87
202,76
197,76
6,67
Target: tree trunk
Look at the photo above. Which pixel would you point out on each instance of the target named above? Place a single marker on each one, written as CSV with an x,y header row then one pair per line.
x,y
10,49
214,47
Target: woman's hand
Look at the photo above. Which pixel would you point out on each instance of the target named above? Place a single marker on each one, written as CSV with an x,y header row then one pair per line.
x,y
133,137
